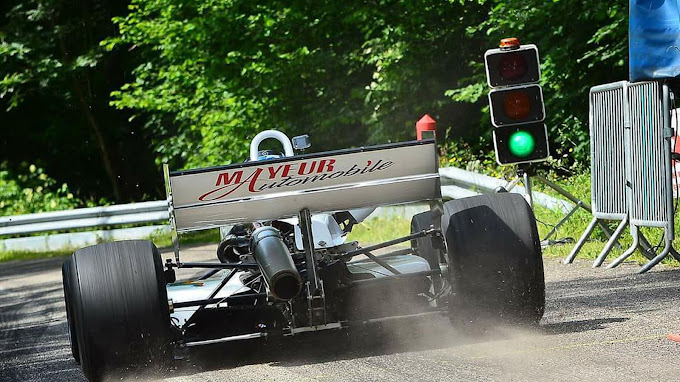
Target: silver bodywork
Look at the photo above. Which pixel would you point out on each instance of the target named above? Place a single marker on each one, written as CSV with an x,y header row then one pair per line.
x,y
280,188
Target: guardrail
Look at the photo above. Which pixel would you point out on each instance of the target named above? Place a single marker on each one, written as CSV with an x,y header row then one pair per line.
x,y
456,183
134,213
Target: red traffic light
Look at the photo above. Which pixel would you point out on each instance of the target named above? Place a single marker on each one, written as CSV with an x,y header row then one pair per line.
x,y
512,66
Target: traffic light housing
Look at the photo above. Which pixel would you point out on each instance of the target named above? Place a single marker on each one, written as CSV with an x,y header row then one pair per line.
x,y
512,65
521,143
516,103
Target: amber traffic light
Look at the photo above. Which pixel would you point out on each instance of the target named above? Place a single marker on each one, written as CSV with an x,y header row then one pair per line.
x,y
517,104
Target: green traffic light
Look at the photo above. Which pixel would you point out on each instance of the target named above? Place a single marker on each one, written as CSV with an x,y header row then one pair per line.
x,y
521,144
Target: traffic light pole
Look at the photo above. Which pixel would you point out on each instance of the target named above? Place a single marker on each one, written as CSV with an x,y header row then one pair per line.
x,y
517,113
523,172
523,175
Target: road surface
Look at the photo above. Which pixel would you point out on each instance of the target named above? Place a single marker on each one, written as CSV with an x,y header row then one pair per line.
x,y
599,325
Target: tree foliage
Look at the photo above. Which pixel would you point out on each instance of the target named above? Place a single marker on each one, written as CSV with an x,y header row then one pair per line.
x,y
215,73
581,43
55,84
30,190
109,86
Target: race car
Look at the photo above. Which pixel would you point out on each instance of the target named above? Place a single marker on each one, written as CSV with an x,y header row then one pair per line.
x,y
284,266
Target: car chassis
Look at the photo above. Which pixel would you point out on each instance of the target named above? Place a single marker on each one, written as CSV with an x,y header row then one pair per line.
x,y
284,266
421,177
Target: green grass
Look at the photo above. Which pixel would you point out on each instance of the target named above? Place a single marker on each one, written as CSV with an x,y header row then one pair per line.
x,y
379,229
208,236
574,229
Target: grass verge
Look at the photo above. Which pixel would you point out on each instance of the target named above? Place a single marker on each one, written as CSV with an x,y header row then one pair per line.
x,y
24,255
378,230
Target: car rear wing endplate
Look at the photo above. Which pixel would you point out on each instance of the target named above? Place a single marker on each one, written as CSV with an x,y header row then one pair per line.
x,y
323,182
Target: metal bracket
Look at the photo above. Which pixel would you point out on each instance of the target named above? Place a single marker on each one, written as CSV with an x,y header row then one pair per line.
x,y
308,246
316,299
668,133
171,212
316,304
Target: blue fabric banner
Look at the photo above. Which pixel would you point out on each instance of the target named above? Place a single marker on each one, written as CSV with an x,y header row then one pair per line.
x,y
654,39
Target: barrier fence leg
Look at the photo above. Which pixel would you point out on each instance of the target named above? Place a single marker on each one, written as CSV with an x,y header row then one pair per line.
x,y
607,232
581,241
610,243
668,248
575,200
636,240
564,219
646,248
651,263
675,254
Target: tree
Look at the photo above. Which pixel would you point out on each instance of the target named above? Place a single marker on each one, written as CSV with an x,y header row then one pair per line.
x,y
101,103
215,73
55,91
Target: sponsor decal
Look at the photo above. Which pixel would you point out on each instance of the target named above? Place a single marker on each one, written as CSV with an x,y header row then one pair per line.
x,y
281,176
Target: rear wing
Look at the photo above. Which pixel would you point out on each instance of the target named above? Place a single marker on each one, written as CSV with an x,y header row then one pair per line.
x,y
324,182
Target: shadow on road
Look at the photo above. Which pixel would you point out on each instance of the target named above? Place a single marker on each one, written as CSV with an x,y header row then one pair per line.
x,y
33,336
579,325
626,293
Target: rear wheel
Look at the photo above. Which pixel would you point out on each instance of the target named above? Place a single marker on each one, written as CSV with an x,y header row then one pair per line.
x,y
423,245
66,274
495,264
121,308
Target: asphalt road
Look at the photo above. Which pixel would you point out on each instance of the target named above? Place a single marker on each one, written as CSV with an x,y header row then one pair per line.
x,y
599,326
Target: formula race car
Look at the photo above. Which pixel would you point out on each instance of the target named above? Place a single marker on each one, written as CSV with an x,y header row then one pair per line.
x,y
284,267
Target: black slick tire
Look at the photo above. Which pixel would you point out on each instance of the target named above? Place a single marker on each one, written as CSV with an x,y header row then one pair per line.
x,y
423,245
66,275
121,307
495,262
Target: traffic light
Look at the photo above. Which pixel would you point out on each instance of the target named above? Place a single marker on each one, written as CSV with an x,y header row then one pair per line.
x,y
516,103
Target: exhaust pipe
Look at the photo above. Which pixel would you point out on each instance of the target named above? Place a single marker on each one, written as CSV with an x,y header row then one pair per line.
x,y
276,263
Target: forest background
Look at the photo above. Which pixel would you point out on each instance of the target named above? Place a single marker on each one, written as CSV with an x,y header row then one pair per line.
x,y
96,94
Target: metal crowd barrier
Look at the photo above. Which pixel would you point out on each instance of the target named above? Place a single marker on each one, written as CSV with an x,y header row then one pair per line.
x,y
608,178
630,166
